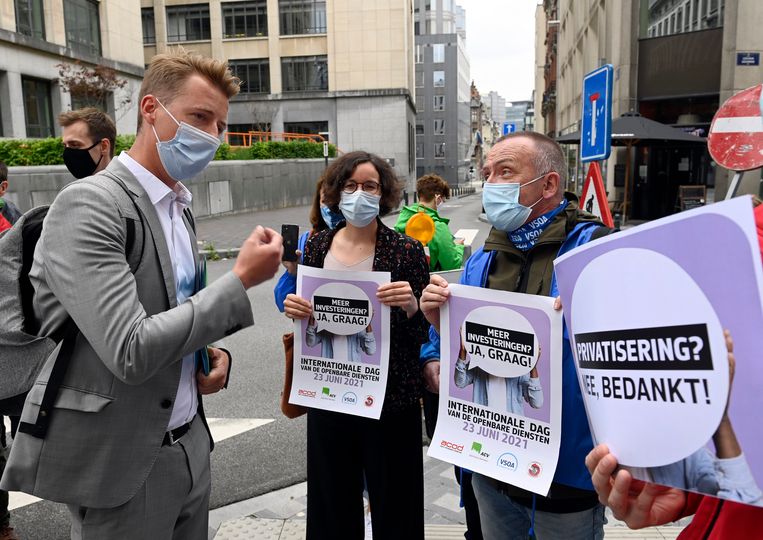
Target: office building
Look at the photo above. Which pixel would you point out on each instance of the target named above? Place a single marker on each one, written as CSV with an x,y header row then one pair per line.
x,y
37,36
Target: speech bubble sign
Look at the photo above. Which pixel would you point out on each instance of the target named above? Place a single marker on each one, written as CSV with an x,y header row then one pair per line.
x,y
341,308
500,341
651,356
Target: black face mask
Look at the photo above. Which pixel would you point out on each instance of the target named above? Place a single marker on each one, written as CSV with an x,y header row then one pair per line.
x,y
80,162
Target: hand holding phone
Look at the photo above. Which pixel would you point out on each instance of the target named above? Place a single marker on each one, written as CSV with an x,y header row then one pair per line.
x,y
290,235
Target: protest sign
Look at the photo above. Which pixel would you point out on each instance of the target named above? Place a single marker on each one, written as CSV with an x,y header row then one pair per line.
x,y
500,386
646,311
341,352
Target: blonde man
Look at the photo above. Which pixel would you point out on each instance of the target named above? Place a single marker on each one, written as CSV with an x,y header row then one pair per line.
x,y
126,446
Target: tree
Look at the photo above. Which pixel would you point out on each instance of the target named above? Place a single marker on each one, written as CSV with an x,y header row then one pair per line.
x,y
90,87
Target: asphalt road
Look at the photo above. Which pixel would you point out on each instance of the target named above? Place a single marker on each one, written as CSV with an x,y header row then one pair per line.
x,y
272,456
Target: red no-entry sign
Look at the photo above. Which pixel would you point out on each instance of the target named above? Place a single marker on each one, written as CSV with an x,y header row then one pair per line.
x,y
735,140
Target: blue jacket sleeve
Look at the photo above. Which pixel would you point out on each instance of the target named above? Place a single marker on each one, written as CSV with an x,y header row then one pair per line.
x,y
287,284
431,349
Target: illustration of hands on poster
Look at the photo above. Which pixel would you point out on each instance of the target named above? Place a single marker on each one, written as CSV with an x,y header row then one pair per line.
x,y
500,386
646,310
341,352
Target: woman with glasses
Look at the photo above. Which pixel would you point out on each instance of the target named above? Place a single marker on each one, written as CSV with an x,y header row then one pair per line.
x,y
342,449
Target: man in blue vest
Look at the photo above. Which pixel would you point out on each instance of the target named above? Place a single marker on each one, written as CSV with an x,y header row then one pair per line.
x,y
534,221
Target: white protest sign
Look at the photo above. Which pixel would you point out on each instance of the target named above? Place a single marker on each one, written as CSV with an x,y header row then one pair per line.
x,y
674,355
500,341
341,308
505,426
341,352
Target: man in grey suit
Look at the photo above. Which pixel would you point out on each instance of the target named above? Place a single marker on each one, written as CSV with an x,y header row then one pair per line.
x,y
127,446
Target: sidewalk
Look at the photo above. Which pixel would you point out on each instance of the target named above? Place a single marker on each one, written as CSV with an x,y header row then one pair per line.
x,y
280,515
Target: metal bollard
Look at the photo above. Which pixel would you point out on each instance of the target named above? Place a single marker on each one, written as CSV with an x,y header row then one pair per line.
x,y
405,197
617,220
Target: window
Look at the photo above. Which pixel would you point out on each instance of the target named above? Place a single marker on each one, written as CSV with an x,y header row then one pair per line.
x,y
306,128
149,27
439,103
419,55
420,150
188,23
439,150
439,126
438,53
302,17
304,73
419,103
419,79
438,78
419,128
29,18
38,113
254,75
245,19
83,28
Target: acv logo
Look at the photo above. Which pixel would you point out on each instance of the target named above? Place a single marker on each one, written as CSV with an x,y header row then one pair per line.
x,y
535,469
349,398
508,461
452,446
369,401
306,393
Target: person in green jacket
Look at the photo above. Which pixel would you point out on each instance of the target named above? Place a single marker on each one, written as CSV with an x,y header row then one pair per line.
x,y
445,251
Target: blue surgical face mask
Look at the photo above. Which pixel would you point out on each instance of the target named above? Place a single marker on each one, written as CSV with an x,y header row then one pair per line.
x,y
501,203
359,208
330,218
188,152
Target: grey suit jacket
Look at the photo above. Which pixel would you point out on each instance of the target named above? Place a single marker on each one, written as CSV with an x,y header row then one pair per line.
x,y
111,414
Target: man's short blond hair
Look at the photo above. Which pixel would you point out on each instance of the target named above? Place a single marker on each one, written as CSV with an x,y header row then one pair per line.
x,y
168,72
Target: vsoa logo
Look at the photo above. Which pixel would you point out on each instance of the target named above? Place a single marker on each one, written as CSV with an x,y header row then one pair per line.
x,y
508,461
349,398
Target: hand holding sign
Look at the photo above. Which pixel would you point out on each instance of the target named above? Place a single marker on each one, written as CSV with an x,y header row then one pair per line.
x,y
398,294
639,504
433,298
297,308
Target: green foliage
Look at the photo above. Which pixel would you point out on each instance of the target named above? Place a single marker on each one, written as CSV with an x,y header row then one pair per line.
x,y
286,150
16,152
31,152
124,142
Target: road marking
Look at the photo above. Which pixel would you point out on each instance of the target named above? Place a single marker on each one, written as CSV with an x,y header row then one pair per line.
x,y
221,428
225,428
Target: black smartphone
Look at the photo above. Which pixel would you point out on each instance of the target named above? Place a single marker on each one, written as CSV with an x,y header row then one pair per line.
x,y
290,235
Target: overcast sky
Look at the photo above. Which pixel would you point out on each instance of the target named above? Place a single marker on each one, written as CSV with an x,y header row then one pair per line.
x,y
500,41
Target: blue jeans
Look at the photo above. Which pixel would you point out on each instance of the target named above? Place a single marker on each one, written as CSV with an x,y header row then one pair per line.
x,y
504,519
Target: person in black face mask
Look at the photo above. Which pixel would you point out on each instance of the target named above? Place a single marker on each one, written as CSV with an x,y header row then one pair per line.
x,y
88,136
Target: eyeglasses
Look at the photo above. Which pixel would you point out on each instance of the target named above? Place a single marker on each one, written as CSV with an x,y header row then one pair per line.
x,y
369,187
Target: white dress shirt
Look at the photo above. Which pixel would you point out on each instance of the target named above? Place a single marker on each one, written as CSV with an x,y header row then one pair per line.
x,y
169,205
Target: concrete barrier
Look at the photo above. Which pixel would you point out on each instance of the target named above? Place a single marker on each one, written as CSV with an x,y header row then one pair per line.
x,y
225,187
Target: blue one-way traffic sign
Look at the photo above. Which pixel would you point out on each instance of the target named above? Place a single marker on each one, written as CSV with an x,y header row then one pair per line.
x,y
596,129
508,127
